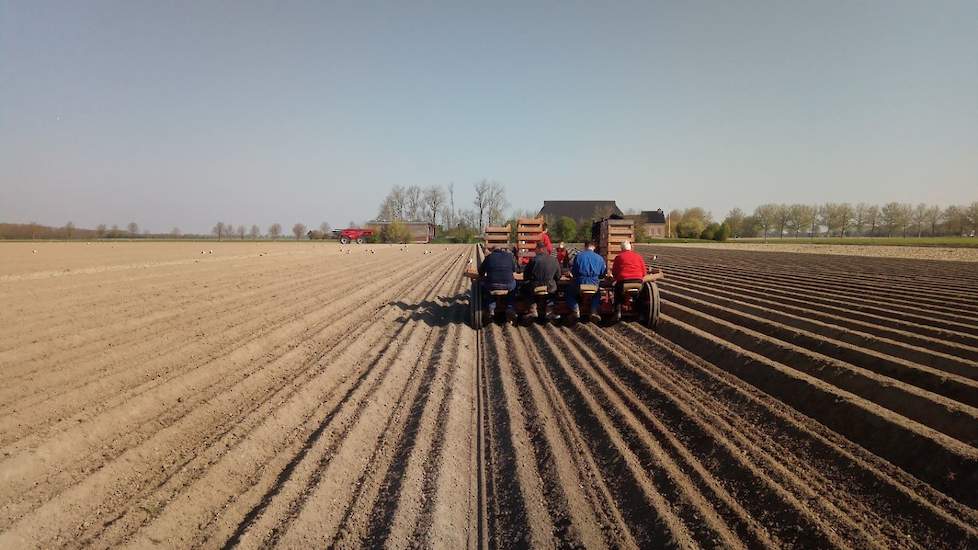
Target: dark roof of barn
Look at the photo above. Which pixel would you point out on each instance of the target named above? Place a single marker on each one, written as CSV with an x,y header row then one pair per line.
x,y
654,216
579,210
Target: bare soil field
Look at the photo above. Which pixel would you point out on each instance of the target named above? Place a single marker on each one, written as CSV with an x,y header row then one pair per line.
x,y
954,254
296,395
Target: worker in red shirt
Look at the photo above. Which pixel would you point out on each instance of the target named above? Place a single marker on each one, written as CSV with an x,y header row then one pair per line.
x,y
628,267
545,238
563,256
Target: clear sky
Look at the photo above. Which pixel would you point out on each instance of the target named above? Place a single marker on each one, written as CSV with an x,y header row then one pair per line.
x,y
186,113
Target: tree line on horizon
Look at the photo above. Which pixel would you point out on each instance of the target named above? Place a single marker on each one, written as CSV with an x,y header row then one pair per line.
x,y
842,219
436,205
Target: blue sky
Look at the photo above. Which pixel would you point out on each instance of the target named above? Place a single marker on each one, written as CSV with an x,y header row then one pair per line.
x,y
185,113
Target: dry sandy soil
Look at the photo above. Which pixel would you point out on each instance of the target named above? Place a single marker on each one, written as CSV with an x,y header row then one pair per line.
x,y
908,252
295,395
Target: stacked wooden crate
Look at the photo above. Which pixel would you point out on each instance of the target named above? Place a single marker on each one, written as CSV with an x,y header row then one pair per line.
x,y
496,235
527,234
613,233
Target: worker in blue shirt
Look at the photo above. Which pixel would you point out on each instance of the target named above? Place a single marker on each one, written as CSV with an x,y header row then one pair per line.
x,y
588,269
497,272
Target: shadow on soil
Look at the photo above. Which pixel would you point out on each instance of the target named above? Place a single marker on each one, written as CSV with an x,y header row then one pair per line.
x,y
440,312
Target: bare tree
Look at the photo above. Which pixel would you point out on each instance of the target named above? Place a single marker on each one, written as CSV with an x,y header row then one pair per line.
x,y
873,219
766,215
895,217
859,217
114,232
241,232
933,218
782,213
393,206
735,221
275,230
219,229
69,229
175,232
298,230
919,217
972,215
497,203
255,232
481,202
325,228
451,203
100,231
434,200
133,228
413,201
954,220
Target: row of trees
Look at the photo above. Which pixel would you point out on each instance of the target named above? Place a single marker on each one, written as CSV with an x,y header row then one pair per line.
x,y
223,231
436,205
848,220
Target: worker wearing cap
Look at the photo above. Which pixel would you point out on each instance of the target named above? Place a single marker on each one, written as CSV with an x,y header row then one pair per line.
x,y
588,269
545,239
543,270
563,257
496,272
628,267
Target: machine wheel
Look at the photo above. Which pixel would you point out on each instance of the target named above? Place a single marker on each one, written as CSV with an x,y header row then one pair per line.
x,y
344,240
650,305
476,313
359,240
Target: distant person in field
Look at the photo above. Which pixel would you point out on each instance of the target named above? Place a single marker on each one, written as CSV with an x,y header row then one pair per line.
x,y
588,269
543,270
497,273
563,257
628,267
545,239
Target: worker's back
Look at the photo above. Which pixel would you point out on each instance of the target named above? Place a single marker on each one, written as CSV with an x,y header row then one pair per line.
x,y
498,267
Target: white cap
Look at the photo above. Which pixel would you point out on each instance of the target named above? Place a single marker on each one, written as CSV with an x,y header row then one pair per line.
x,y
625,245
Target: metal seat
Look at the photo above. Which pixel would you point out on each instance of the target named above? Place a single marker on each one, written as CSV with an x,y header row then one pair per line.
x,y
631,288
589,289
498,292
540,290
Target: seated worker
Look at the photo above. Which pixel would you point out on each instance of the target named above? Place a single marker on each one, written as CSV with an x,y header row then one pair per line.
x,y
588,269
563,256
628,267
496,272
543,270
545,238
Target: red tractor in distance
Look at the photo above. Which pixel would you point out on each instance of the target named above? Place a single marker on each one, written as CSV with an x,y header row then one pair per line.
x,y
353,234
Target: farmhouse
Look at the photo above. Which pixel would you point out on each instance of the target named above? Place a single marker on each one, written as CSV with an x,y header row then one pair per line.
x,y
579,211
651,223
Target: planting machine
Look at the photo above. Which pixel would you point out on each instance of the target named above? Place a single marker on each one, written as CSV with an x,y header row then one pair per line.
x,y
640,299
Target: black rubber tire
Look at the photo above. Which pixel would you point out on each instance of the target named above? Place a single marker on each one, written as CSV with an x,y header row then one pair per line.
x,y
344,240
360,240
476,313
650,305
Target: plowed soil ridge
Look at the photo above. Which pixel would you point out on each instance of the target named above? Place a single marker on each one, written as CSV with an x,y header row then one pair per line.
x,y
303,395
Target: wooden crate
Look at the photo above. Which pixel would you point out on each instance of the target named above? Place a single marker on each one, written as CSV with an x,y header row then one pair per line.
x,y
496,235
527,234
612,234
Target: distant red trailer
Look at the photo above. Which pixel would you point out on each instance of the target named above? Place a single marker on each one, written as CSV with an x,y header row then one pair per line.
x,y
356,235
